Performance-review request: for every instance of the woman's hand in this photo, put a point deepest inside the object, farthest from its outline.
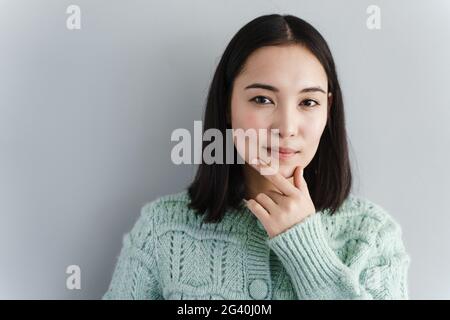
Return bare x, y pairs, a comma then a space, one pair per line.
276, 211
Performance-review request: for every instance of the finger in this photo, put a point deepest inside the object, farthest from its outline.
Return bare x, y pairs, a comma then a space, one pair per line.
279, 181
267, 203
257, 209
298, 177
276, 196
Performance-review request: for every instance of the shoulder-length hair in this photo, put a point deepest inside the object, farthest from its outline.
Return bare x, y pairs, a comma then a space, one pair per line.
217, 187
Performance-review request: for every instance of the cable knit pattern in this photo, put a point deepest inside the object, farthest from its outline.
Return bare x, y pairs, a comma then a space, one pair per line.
357, 253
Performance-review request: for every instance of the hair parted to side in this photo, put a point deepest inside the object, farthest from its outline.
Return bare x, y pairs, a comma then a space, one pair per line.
216, 187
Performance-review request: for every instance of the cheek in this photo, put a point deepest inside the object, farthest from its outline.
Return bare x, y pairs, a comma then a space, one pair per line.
245, 118
316, 132
312, 134
313, 129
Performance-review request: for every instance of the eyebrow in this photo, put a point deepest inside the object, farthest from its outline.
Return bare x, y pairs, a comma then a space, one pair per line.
272, 88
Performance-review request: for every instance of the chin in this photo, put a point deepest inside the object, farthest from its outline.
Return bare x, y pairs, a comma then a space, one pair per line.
286, 171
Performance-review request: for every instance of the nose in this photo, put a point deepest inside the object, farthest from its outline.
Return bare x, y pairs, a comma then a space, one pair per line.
286, 121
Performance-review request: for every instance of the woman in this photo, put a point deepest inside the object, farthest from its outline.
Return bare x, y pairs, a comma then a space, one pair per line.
296, 233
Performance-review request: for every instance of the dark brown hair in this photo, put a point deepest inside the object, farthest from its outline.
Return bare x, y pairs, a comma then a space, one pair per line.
216, 187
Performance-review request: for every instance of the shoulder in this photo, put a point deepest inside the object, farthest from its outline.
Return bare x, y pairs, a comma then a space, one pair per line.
170, 215
164, 213
162, 206
362, 218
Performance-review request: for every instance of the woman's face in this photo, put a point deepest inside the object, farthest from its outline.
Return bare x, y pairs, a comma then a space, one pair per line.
294, 101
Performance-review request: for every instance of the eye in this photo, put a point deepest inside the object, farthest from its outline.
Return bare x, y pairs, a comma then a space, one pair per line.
309, 101
260, 99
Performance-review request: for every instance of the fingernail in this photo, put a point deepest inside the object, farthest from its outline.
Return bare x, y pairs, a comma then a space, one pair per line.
262, 161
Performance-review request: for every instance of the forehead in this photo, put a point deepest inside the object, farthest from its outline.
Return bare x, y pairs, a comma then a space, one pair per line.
284, 66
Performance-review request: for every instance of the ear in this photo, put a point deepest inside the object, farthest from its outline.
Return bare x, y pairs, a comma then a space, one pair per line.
330, 100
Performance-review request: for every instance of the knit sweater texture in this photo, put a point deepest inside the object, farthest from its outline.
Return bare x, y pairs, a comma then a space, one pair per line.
170, 253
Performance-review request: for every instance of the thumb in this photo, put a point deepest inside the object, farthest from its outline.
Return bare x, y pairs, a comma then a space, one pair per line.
298, 177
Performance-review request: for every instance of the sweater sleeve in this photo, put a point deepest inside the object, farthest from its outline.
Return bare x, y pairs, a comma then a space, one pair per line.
135, 276
317, 272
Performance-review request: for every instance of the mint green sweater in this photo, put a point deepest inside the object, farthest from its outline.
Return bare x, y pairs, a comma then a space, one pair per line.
357, 253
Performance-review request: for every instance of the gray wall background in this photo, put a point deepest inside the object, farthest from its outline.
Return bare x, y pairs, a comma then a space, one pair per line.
86, 118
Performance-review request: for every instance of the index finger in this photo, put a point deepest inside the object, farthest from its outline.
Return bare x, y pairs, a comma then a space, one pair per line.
279, 181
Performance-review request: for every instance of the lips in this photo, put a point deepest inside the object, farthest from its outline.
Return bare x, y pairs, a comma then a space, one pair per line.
282, 153
282, 150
